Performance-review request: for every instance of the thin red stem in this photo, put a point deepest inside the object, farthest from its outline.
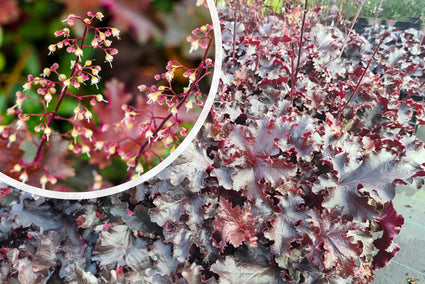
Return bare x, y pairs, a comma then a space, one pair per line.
198, 76
351, 29
39, 153
363, 74
297, 67
234, 29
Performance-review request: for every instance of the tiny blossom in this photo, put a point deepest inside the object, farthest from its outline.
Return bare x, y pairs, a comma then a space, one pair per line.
139, 169
162, 133
11, 111
76, 111
99, 16
94, 80
95, 70
194, 46
107, 43
88, 63
78, 52
88, 134
85, 150
12, 138
109, 58
98, 145
75, 84
149, 135
127, 116
115, 32
17, 168
24, 177
97, 181
70, 19
192, 77
100, 98
62, 77
20, 124
41, 91
102, 36
174, 110
188, 105
75, 148
111, 150
52, 48
43, 181
131, 163
52, 180
74, 134
94, 42
169, 76
168, 141
47, 132
88, 115
46, 72
142, 88
27, 86
183, 131
153, 97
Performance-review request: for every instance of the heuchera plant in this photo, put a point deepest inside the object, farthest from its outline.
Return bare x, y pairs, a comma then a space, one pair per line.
103, 125
288, 182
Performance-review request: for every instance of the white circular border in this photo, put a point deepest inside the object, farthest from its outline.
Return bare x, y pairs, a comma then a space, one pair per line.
151, 173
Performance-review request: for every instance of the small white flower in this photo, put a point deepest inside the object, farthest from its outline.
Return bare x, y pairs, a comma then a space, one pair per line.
109, 58
43, 181
115, 32
99, 16
139, 169
85, 150
52, 48
23, 177
98, 145
47, 132
48, 99
88, 134
78, 52
12, 138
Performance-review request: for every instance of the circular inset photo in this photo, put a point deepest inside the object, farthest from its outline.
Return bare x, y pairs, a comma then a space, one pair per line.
98, 97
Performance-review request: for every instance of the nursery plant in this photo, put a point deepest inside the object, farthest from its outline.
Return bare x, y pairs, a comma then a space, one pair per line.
291, 180
43, 145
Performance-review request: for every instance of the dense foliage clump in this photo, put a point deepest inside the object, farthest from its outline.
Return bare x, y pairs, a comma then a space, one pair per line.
290, 181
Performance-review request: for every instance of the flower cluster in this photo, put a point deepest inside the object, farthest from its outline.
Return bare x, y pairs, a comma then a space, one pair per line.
52, 87
153, 127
